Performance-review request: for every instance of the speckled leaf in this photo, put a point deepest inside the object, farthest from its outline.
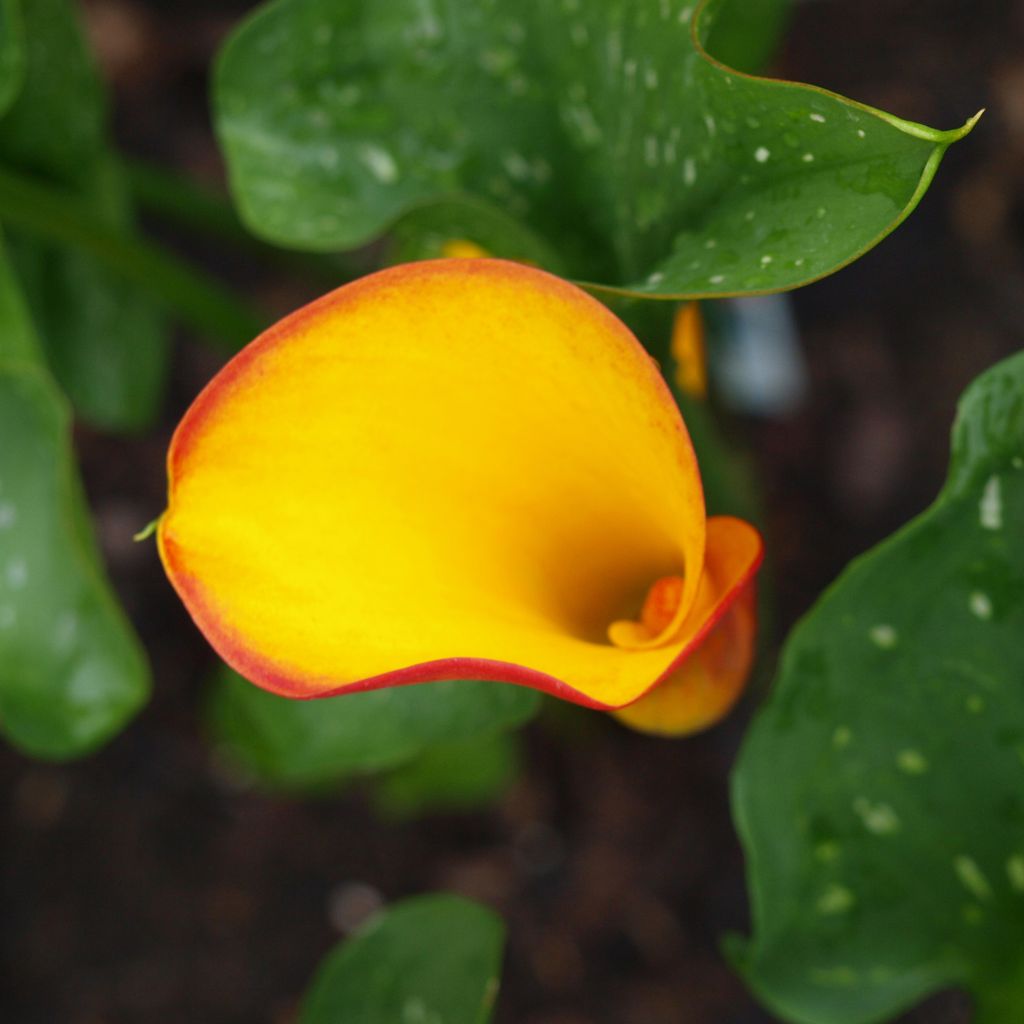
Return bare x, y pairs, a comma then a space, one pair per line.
880, 794
71, 670
433, 959
104, 341
317, 743
450, 777
604, 127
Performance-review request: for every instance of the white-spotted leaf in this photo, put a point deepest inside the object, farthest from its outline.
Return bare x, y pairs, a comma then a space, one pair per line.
606, 129
880, 793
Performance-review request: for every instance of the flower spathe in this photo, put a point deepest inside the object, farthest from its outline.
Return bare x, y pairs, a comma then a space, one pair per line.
453, 469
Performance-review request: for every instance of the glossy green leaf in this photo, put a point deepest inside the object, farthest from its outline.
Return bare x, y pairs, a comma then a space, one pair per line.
12, 52
450, 777
432, 959
880, 793
317, 743
71, 671
104, 340
605, 128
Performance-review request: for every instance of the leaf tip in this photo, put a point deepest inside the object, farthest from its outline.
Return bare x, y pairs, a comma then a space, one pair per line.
968, 125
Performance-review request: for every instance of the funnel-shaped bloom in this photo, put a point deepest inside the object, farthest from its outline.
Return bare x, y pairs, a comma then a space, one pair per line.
454, 469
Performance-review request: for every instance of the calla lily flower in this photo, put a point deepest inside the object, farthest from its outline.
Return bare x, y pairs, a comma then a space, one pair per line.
458, 469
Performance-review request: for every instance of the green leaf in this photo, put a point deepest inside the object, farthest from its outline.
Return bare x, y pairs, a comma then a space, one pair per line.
745, 35
12, 52
71, 670
18, 341
56, 125
104, 340
318, 743
605, 128
450, 776
429, 960
880, 793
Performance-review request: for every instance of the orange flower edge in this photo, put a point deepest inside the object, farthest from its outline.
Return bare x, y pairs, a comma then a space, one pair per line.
451, 469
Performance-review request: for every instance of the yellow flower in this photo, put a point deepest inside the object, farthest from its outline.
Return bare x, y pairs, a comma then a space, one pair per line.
458, 469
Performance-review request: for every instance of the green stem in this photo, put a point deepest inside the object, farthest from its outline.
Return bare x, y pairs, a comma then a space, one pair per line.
180, 201
198, 301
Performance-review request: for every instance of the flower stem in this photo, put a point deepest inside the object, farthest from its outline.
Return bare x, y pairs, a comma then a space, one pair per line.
53, 213
176, 199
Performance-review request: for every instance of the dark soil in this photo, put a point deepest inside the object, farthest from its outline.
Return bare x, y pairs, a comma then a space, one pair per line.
144, 884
